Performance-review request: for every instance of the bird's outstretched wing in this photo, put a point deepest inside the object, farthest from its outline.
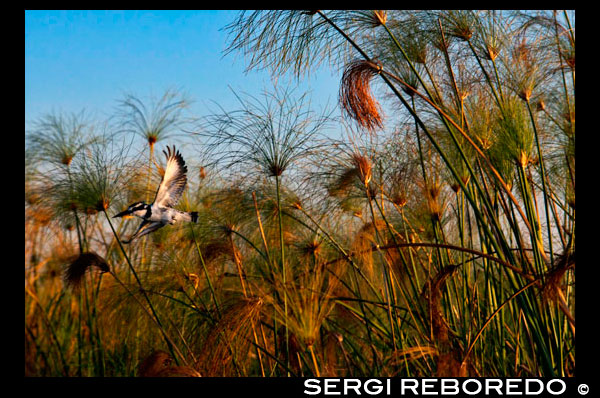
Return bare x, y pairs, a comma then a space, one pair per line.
145, 228
173, 182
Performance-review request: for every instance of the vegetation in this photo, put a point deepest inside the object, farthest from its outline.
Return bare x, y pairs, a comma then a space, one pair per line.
434, 236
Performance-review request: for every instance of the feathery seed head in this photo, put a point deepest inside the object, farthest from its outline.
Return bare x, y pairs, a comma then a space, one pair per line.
98, 178
456, 186
491, 52
310, 248
540, 105
80, 264
369, 18
103, 203
530, 67
42, 215
522, 159
269, 134
514, 134
435, 202
363, 167
66, 160
379, 17
155, 119
459, 23
552, 280
58, 138
32, 197
355, 94
399, 199
569, 57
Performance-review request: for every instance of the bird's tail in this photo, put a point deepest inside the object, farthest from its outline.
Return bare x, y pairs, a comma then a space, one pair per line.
194, 215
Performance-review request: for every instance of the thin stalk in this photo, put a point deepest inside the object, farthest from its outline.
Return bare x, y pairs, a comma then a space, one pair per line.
386, 275
154, 314
79, 337
242, 275
210, 286
260, 226
52, 332
478, 253
39, 351
487, 76
543, 176
498, 80
283, 268
435, 86
151, 152
407, 239
531, 214
274, 358
487, 322
420, 148
356, 271
449, 66
98, 336
314, 359
345, 255
77, 222
562, 69
414, 289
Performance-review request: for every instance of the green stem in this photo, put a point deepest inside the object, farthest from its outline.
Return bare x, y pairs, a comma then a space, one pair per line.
531, 215
143, 291
543, 177
387, 268
283, 268
210, 286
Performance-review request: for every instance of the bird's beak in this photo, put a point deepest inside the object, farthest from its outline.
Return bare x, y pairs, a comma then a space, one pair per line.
123, 214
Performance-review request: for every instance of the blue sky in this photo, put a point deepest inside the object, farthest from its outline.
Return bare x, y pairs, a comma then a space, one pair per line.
87, 60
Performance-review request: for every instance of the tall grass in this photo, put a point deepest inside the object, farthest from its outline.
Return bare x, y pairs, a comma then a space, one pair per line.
434, 236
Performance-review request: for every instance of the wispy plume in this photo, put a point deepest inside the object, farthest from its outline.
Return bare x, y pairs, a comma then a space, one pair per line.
80, 264
356, 97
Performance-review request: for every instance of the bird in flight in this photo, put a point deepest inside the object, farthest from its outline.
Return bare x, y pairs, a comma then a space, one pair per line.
161, 211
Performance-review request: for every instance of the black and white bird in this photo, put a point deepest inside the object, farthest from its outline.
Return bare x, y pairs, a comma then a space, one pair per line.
161, 211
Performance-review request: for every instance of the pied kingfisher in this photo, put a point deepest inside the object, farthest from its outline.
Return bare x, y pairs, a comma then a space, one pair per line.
161, 211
